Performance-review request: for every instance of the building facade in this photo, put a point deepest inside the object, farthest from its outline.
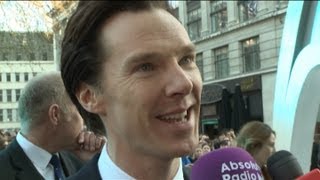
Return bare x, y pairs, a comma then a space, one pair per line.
237, 42
22, 56
25, 54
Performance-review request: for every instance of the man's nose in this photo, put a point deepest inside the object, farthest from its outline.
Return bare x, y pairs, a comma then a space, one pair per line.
179, 82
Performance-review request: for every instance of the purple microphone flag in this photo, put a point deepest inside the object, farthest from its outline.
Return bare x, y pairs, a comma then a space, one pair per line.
226, 164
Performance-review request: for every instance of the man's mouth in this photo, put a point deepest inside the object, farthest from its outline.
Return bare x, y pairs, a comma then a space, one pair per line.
181, 117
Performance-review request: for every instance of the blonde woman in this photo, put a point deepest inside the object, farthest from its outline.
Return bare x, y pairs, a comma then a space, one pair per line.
258, 139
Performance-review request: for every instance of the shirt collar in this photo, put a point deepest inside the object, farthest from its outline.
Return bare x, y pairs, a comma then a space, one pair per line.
179, 175
109, 170
38, 156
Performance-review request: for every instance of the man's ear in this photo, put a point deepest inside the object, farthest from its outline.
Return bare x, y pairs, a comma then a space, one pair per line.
54, 114
90, 99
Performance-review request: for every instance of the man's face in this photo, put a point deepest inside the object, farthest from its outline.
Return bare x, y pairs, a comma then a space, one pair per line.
151, 85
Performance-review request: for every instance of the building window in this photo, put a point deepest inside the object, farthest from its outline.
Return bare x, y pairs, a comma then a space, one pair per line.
0, 77
247, 10
18, 57
18, 91
8, 77
1, 100
5, 56
194, 19
251, 54
32, 56
1, 115
17, 77
208, 69
9, 95
26, 78
44, 56
221, 58
199, 62
16, 117
9, 114
34, 74
218, 15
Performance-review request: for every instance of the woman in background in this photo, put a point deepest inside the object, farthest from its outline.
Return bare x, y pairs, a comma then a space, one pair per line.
258, 139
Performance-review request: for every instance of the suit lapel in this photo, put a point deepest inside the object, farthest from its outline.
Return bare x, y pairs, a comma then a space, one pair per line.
89, 171
70, 163
21, 163
92, 171
66, 165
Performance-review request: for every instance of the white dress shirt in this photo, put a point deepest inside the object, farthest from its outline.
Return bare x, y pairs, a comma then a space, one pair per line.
38, 156
109, 170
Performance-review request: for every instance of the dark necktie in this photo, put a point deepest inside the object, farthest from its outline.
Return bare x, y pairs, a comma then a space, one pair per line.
55, 162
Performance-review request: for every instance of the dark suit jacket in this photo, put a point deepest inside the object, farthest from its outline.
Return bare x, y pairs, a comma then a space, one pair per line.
91, 171
15, 165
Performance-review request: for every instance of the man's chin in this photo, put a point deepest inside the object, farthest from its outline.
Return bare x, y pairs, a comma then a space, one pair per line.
184, 151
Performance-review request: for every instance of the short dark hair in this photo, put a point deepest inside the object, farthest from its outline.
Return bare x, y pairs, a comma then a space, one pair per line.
82, 58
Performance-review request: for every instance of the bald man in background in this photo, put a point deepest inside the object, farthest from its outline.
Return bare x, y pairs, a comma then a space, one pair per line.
51, 126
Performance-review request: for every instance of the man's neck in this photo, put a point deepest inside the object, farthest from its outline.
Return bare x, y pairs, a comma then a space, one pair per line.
143, 166
40, 140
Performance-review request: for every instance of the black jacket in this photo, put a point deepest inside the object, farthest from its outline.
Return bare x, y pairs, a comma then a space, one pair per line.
15, 164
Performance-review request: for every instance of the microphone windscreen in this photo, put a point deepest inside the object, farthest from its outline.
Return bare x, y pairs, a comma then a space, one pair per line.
312, 175
226, 164
283, 165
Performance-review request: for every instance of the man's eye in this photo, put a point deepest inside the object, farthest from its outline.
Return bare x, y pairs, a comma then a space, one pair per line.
146, 67
186, 60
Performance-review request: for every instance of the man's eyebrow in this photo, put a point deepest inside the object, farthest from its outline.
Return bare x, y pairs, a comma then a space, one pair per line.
188, 48
141, 57
153, 55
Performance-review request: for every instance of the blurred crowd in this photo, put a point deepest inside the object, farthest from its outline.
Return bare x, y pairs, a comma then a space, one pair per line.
225, 138
256, 137
6, 136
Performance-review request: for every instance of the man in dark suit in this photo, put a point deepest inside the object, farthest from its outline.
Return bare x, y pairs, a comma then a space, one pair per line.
15, 164
50, 124
132, 65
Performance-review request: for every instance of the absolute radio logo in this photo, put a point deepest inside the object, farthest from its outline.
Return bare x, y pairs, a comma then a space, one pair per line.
240, 171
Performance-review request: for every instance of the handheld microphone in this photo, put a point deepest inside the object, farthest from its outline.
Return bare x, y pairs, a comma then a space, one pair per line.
226, 164
312, 175
283, 165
